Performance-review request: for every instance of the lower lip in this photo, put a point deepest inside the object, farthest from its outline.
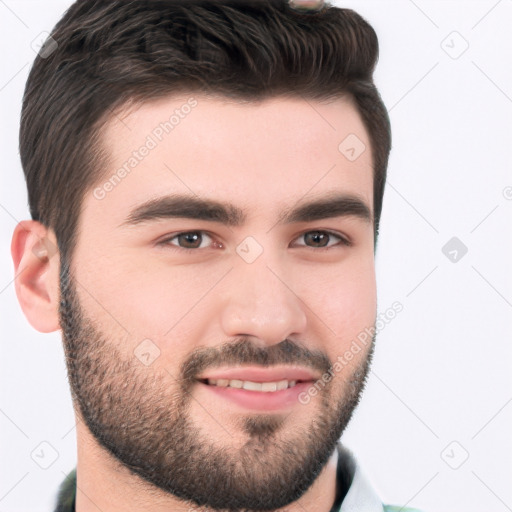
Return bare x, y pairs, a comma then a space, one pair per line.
261, 400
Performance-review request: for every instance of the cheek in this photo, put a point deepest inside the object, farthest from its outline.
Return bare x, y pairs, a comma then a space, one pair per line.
344, 299
157, 300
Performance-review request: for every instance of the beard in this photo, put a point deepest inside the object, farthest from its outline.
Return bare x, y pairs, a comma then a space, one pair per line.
141, 416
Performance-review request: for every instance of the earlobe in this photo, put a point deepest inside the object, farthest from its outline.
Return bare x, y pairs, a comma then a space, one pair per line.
36, 265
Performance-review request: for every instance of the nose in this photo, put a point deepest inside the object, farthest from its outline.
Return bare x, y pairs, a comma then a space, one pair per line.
261, 303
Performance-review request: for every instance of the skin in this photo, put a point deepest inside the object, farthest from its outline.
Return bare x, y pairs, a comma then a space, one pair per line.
126, 286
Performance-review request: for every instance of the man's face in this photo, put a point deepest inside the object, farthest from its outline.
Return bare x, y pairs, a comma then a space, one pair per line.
163, 294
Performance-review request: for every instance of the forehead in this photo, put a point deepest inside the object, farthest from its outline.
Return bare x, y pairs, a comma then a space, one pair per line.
263, 155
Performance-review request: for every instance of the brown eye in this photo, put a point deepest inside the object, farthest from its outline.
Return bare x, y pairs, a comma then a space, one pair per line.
317, 238
190, 240
322, 239
187, 240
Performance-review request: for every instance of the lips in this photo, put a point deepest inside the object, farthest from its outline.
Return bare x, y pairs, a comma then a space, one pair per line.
252, 399
258, 388
260, 374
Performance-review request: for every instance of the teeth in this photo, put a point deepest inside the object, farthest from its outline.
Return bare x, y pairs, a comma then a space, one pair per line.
235, 383
253, 386
269, 386
282, 384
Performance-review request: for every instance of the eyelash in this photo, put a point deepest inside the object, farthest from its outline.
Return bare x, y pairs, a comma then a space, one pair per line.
166, 242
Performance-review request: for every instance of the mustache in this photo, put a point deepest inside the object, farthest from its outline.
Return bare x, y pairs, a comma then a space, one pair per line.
244, 352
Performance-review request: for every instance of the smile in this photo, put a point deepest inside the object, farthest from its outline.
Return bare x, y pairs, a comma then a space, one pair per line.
251, 385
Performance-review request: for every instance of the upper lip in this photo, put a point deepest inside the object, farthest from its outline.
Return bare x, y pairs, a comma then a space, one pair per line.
261, 374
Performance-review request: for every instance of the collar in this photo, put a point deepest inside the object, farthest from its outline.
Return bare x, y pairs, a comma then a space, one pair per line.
360, 495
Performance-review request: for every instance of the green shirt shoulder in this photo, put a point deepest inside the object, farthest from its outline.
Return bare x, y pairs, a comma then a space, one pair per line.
66, 496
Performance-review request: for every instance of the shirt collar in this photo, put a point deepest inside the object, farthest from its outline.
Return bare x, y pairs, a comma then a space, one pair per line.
360, 495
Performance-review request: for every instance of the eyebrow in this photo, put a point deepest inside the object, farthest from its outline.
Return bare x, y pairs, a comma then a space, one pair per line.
193, 207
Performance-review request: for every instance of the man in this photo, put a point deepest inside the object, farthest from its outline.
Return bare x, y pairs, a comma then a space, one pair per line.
205, 182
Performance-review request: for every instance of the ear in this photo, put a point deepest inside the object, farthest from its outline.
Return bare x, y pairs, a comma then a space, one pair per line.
36, 265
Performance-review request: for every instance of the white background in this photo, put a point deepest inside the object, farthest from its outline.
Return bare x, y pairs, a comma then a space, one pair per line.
442, 366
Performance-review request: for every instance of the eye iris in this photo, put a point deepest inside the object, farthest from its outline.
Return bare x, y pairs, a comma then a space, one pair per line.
318, 238
192, 240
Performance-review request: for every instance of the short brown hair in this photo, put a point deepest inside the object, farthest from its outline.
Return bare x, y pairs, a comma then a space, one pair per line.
110, 52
